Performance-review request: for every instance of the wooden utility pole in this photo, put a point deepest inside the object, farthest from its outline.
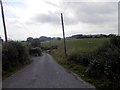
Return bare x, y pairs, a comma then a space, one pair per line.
3, 18
63, 34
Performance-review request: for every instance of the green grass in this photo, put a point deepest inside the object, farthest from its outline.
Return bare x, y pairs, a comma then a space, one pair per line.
77, 45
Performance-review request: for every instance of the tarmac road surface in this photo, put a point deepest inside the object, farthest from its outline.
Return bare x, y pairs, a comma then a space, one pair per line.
44, 72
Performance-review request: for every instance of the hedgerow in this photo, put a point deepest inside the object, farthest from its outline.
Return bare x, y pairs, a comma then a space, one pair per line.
14, 54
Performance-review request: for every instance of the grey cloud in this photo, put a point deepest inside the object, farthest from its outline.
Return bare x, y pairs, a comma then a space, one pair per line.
52, 4
85, 12
97, 8
93, 13
53, 18
47, 18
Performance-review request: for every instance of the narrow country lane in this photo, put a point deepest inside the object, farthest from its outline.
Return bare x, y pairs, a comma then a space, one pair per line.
44, 72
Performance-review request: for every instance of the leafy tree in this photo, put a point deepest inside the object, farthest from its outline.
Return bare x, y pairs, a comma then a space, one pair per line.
35, 42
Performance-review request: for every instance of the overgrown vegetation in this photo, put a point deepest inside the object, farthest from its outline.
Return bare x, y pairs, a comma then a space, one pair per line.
95, 60
14, 56
106, 63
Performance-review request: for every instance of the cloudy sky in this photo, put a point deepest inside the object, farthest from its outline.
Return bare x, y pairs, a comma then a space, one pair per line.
37, 18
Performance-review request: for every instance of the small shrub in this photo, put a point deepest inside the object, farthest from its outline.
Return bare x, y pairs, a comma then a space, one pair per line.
35, 51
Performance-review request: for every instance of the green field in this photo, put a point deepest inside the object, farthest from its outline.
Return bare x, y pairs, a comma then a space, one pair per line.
77, 45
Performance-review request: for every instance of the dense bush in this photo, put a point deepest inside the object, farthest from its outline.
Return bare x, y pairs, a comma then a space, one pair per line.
35, 51
106, 62
14, 54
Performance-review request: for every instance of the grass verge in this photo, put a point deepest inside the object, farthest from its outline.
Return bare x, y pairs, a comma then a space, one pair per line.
80, 71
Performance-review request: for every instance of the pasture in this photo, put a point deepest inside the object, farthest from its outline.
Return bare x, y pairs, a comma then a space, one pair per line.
77, 45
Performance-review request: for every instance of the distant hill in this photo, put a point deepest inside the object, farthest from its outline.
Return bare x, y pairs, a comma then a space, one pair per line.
77, 36
44, 38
